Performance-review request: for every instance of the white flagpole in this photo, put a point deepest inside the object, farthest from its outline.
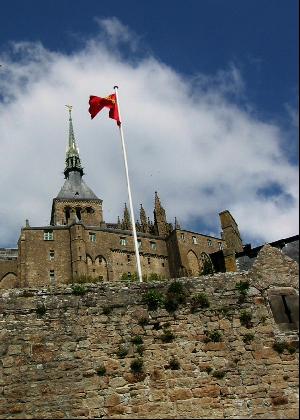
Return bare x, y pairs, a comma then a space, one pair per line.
138, 262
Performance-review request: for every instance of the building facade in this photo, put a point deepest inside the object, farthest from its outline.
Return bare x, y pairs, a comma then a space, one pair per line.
78, 242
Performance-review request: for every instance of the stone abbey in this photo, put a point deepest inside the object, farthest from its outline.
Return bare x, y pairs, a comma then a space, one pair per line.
78, 241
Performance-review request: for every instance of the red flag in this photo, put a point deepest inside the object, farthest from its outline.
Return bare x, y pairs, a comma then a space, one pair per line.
97, 104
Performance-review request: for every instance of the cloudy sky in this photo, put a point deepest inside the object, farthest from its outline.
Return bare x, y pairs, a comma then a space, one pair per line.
209, 99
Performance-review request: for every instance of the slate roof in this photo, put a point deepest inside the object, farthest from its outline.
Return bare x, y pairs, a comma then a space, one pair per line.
75, 187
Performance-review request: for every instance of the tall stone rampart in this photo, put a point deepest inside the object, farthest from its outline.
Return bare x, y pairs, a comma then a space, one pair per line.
219, 354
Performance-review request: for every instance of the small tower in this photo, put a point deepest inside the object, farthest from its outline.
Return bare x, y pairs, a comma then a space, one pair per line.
75, 201
160, 220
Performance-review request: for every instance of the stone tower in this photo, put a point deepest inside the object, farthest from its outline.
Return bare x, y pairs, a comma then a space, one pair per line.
75, 201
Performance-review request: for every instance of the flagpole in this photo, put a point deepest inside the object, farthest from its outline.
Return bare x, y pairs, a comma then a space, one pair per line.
138, 262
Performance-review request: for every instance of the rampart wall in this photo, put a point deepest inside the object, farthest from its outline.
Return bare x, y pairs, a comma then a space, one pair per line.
220, 354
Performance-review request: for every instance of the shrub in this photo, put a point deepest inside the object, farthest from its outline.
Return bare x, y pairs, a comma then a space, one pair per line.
208, 369
243, 288
140, 349
156, 326
174, 364
177, 288
101, 371
130, 276
78, 289
247, 338
214, 336
136, 366
40, 309
154, 277
245, 318
153, 299
280, 346
219, 374
137, 340
107, 310
143, 321
207, 268
82, 279
122, 352
167, 336
176, 295
199, 301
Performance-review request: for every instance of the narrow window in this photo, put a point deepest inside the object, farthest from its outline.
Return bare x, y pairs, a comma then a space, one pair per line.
92, 237
48, 235
128, 258
139, 244
78, 213
220, 245
194, 239
52, 276
123, 241
153, 245
149, 261
68, 213
51, 255
209, 242
163, 264
182, 236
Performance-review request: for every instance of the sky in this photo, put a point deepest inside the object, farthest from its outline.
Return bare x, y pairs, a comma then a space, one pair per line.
209, 100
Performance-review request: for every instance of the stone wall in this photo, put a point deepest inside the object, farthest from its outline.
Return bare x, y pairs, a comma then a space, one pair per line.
69, 356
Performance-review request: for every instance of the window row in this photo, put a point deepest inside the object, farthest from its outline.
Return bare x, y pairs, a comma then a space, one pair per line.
195, 241
123, 241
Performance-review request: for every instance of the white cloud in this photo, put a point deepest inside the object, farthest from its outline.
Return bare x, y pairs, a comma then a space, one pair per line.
189, 141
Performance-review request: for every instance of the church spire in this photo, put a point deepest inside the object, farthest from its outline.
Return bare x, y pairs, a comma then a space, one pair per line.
72, 155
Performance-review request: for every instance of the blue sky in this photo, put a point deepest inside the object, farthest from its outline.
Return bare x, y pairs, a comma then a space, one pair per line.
240, 55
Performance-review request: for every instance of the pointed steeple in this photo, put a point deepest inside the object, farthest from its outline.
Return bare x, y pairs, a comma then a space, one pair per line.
73, 162
160, 220
119, 223
143, 219
157, 203
176, 224
126, 219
